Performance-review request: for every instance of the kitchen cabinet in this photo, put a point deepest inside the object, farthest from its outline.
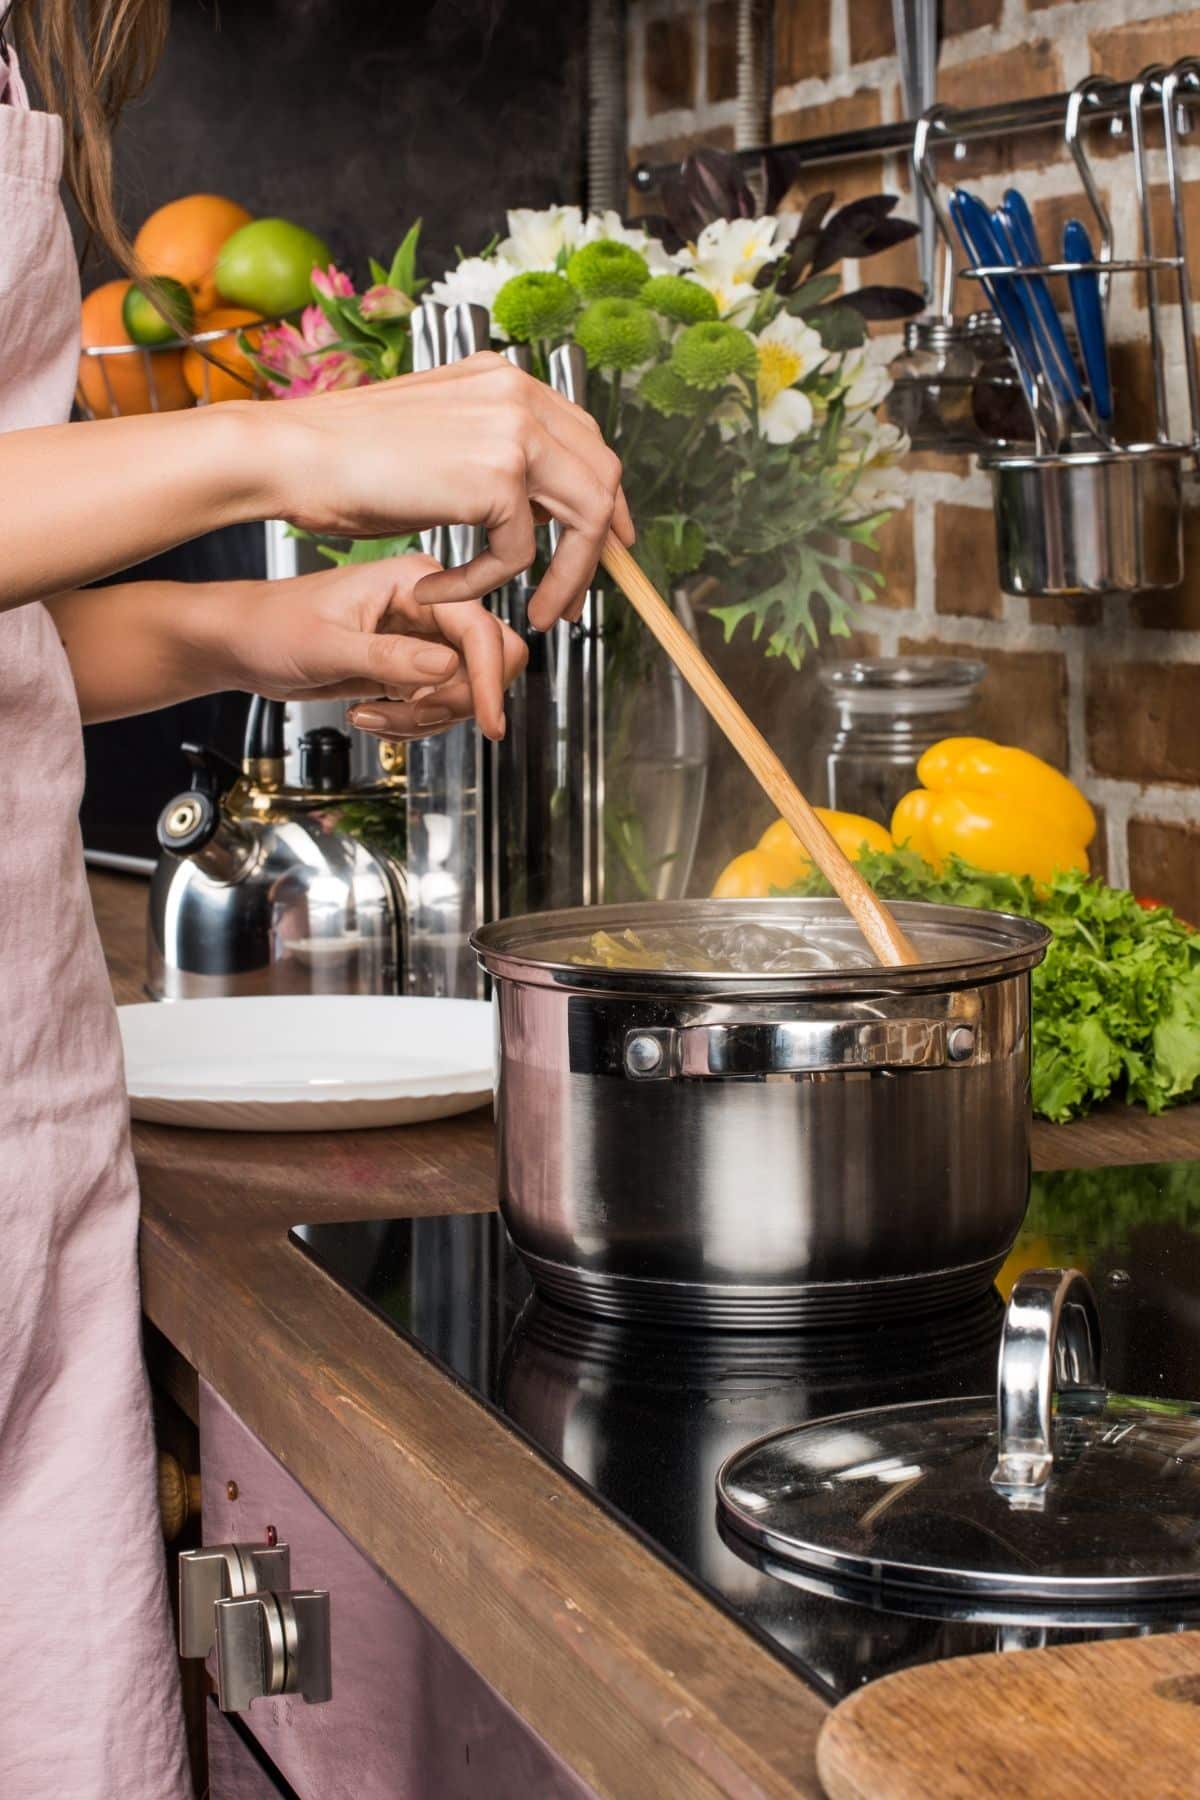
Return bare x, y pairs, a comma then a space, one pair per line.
409, 1719
237, 1770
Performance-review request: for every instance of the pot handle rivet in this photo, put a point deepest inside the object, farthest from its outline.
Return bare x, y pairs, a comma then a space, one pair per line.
643, 1055
960, 1043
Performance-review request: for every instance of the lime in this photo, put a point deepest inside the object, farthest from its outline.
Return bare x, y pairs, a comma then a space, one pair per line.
267, 266
142, 312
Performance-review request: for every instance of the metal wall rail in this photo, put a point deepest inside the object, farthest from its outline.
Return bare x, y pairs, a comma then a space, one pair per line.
1007, 118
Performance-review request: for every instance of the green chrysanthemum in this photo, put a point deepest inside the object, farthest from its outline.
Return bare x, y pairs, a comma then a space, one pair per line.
538, 304
677, 544
617, 334
608, 270
678, 298
661, 388
710, 354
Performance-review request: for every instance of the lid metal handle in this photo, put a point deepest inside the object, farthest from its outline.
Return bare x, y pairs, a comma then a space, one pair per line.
1051, 1342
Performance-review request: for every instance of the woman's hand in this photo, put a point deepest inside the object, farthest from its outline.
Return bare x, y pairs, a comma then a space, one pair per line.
474, 443
350, 633
358, 633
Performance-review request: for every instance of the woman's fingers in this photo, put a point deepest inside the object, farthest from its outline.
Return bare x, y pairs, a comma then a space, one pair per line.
494, 656
402, 719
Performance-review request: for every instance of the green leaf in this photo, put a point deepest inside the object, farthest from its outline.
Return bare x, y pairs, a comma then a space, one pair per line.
812, 293
367, 550
403, 272
379, 274
839, 327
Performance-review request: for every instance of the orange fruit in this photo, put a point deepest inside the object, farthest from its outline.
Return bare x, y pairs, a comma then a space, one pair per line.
183, 239
235, 379
142, 381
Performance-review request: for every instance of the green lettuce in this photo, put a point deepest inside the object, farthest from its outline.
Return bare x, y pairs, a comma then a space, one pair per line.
1116, 1003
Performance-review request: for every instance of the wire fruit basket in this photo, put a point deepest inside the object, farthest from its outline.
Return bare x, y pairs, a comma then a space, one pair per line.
197, 370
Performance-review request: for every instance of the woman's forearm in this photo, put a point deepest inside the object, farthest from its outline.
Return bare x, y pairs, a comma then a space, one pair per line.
144, 644
85, 500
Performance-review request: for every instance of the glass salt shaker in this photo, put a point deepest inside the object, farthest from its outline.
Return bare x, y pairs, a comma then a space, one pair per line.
999, 408
932, 382
887, 713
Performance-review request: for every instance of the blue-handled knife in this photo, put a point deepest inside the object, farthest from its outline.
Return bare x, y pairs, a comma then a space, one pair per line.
975, 228
1086, 304
1023, 242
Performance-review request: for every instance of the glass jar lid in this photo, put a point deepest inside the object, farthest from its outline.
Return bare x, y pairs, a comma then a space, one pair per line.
902, 685
1093, 1499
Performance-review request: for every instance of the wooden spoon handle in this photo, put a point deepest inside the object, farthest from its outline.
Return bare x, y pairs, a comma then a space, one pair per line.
872, 917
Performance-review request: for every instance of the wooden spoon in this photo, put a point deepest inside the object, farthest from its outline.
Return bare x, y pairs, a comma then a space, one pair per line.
872, 917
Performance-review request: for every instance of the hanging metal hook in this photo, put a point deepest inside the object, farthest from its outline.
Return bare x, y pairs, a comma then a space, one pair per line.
1146, 83
1090, 90
1185, 72
931, 121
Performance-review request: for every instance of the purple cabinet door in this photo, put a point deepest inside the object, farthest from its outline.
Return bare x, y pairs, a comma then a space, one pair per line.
234, 1772
409, 1718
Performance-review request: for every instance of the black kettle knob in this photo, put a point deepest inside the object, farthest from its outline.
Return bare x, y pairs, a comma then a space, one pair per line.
325, 760
189, 821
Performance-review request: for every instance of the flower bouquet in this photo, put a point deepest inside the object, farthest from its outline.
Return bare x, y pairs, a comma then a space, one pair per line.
734, 378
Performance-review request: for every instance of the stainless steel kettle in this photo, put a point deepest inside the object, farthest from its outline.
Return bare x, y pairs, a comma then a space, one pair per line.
269, 888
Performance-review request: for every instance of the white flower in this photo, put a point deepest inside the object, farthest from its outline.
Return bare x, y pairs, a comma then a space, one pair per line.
535, 239
875, 491
883, 446
728, 255
788, 352
863, 384
608, 225
477, 279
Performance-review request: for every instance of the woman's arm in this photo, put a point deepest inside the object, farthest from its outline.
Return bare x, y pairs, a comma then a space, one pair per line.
476, 443
353, 633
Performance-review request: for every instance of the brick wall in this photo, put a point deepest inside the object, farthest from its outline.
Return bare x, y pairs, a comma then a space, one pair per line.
1109, 691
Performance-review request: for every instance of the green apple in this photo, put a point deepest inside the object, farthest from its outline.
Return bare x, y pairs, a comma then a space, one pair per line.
143, 309
266, 266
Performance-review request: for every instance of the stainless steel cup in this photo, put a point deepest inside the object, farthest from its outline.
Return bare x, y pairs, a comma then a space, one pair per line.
764, 1150
1089, 522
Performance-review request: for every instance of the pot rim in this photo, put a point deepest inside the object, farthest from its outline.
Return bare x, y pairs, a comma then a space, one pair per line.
1010, 945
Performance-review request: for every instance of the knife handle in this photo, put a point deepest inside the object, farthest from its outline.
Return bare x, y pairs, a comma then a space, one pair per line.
1084, 288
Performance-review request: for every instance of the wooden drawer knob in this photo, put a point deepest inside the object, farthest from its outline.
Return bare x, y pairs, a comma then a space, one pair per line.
178, 1495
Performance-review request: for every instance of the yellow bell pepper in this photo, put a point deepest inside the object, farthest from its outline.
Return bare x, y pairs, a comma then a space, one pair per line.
779, 860
997, 807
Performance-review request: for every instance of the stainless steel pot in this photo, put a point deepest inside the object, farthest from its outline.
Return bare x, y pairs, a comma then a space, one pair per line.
764, 1150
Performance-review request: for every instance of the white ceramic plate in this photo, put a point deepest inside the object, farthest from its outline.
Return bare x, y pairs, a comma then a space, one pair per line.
320, 1062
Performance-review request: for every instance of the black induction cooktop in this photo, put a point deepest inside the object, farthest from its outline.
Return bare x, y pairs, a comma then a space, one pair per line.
644, 1418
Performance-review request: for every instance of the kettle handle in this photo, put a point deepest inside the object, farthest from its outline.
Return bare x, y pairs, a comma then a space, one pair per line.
212, 771
264, 730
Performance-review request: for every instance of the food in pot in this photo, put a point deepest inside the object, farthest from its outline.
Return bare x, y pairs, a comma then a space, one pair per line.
720, 949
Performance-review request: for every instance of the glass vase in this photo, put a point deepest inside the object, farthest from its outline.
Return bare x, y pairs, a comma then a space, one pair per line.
655, 759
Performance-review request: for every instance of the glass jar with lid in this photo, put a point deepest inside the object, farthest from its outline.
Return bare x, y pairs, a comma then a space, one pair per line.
932, 380
887, 711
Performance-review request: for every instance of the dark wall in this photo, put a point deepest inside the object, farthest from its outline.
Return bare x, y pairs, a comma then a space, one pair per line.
356, 116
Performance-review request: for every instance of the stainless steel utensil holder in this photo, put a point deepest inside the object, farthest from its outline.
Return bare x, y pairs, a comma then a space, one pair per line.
1088, 514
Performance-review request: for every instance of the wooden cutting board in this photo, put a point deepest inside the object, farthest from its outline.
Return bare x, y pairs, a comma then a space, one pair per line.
1120, 1717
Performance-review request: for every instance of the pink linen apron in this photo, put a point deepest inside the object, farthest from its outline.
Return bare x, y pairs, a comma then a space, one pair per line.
89, 1702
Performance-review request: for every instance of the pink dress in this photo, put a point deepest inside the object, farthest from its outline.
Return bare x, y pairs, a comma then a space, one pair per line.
89, 1702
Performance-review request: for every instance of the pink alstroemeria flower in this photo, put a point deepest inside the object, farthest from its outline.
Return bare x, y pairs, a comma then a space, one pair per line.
302, 361
384, 302
333, 283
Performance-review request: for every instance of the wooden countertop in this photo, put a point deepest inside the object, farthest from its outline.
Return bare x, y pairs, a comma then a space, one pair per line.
619, 1663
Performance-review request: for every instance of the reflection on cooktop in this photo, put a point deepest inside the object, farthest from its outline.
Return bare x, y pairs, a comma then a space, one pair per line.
643, 1418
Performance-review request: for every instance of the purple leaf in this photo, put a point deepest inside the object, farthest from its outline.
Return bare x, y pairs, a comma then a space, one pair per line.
884, 302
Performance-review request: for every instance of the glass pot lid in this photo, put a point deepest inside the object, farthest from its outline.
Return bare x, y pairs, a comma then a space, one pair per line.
1057, 1490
